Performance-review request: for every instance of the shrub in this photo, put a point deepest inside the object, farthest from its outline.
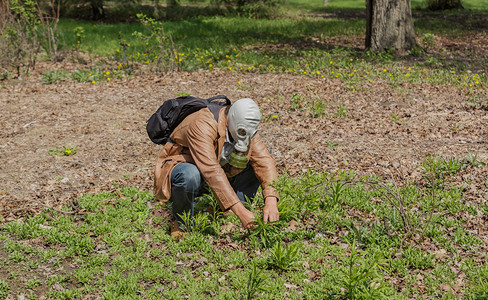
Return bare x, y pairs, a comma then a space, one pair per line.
253, 8
24, 31
443, 4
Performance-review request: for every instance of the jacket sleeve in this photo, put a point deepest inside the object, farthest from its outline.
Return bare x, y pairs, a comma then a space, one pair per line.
264, 166
202, 135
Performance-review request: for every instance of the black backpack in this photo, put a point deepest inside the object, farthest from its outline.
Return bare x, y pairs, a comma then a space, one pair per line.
162, 123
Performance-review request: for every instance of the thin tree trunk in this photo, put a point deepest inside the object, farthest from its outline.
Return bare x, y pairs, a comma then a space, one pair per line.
389, 25
98, 12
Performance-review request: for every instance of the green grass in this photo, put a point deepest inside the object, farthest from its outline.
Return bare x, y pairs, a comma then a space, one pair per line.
116, 247
296, 45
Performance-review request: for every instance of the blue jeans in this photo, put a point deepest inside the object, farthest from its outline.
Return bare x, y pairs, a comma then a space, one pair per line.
187, 183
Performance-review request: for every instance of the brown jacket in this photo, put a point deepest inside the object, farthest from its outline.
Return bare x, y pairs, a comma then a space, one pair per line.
199, 139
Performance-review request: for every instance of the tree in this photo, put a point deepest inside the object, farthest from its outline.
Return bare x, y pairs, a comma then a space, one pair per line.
389, 25
98, 12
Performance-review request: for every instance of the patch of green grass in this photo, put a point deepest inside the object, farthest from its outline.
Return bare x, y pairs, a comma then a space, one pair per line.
290, 44
348, 241
55, 76
4, 289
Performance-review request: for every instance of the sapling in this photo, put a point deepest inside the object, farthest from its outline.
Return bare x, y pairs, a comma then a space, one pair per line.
283, 257
255, 283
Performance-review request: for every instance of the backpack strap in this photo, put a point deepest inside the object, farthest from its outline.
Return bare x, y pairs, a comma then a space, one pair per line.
227, 101
215, 109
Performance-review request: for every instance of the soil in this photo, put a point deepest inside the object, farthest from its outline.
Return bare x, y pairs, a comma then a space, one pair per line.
385, 131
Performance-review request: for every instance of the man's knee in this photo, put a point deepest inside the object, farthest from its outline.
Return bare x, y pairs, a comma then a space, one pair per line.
187, 176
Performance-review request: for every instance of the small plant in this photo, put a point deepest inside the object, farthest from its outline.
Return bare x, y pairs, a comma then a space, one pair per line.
255, 283
80, 75
428, 41
17, 257
436, 169
67, 151
283, 257
472, 160
266, 232
271, 118
341, 111
331, 144
164, 50
79, 33
33, 283
416, 258
296, 102
33, 264
182, 94
198, 223
361, 278
317, 109
55, 76
4, 289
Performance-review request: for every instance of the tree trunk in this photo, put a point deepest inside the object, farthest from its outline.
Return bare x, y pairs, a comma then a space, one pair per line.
389, 25
97, 9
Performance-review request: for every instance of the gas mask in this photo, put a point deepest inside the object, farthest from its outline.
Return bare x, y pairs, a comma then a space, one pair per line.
243, 120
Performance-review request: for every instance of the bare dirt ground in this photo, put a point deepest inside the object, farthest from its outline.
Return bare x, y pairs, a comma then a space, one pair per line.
386, 132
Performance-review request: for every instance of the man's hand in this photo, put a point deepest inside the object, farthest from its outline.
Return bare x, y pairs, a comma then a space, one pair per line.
270, 211
246, 217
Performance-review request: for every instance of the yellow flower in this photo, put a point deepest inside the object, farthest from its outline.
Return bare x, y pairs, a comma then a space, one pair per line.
67, 151
108, 73
108, 79
94, 82
318, 72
